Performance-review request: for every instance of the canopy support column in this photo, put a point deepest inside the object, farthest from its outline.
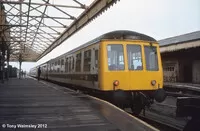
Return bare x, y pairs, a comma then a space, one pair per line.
20, 66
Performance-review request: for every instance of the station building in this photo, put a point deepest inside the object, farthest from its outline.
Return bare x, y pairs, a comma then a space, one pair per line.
181, 58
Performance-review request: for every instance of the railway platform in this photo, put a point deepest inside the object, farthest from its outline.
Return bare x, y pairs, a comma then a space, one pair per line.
38, 105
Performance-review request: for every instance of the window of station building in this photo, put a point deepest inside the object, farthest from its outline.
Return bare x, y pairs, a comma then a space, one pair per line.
169, 68
96, 58
151, 57
78, 62
115, 57
87, 60
134, 57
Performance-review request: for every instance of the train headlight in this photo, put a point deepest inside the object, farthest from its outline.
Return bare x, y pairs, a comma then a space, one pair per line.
153, 82
116, 83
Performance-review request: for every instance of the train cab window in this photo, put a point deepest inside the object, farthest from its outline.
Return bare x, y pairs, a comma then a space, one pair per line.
96, 58
78, 62
115, 57
87, 60
151, 57
134, 57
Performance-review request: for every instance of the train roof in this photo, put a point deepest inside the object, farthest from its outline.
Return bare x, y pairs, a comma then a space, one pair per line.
125, 34
114, 35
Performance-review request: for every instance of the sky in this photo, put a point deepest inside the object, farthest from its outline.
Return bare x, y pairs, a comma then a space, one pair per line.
157, 18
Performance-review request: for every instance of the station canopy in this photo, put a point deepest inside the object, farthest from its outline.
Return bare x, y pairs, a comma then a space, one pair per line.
36, 27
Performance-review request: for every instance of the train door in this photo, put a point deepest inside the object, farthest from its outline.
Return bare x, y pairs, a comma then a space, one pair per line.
95, 65
135, 66
95, 59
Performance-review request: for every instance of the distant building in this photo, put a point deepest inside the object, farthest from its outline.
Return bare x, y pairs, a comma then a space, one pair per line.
181, 58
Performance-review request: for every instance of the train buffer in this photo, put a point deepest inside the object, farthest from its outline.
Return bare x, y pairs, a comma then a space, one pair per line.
27, 103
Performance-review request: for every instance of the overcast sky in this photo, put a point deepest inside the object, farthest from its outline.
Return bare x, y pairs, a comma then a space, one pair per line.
157, 18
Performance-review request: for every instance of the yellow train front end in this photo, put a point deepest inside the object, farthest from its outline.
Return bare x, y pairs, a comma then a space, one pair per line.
131, 66
136, 65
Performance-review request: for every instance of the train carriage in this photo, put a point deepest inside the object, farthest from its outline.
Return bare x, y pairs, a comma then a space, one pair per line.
125, 63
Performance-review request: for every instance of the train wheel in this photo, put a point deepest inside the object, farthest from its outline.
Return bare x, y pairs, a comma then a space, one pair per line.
119, 97
137, 105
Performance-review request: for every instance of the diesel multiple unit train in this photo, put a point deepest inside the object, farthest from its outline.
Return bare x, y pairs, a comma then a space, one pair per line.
125, 64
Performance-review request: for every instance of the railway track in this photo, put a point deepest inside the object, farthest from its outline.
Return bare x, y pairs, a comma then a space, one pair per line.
185, 91
180, 94
162, 126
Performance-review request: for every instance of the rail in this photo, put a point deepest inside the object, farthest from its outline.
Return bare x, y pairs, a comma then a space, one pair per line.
182, 89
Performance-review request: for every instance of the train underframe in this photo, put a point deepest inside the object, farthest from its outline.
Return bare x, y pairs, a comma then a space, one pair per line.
137, 100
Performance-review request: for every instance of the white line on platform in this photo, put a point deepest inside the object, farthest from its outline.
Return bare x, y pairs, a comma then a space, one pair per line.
124, 112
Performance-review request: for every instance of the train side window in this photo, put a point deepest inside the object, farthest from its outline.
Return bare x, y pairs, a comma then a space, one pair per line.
45, 68
49, 67
58, 66
52, 67
134, 57
96, 58
72, 62
115, 57
62, 62
87, 60
78, 62
58, 62
66, 65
